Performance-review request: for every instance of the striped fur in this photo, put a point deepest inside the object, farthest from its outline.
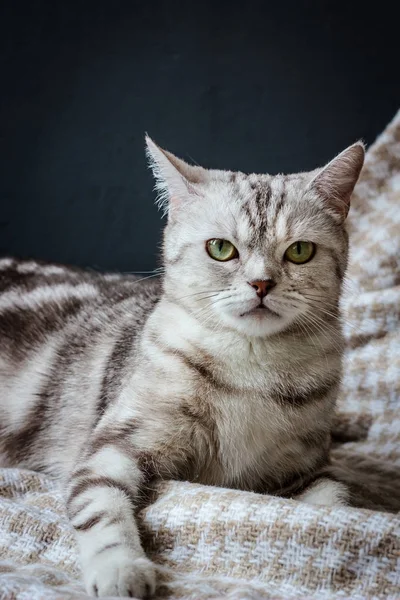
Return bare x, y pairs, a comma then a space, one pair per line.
107, 381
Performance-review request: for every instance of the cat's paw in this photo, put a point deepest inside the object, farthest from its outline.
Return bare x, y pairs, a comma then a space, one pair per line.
120, 574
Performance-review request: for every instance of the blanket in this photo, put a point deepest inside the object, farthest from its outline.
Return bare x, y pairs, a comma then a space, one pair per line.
211, 543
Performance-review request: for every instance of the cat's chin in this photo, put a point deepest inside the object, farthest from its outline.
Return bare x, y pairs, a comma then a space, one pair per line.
257, 322
260, 312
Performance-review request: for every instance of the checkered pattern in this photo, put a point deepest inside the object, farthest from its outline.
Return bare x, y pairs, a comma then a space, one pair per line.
211, 543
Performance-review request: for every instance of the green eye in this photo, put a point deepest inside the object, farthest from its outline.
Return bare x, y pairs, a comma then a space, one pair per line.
221, 250
300, 252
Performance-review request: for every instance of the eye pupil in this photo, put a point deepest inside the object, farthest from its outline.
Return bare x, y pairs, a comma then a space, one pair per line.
298, 248
220, 245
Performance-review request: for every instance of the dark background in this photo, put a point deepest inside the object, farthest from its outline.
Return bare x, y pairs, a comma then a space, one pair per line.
255, 86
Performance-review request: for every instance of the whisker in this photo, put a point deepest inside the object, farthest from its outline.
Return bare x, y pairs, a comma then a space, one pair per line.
209, 306
157, 270
219, 299
144, 278
202, 292
322, 327
205, 297
321, 307
311, 336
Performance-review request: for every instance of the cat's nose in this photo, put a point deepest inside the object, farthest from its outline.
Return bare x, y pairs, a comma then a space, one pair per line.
262, 287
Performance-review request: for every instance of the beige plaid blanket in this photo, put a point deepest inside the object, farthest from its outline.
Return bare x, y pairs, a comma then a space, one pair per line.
214, 543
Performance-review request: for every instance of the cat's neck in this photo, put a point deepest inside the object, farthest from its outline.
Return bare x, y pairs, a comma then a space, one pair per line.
177, 328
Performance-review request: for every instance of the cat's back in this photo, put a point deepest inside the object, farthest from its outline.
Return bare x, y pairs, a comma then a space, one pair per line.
40, 300
67, 337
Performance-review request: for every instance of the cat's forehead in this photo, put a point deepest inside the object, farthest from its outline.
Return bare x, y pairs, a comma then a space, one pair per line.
263, 188
260, 191
260, 208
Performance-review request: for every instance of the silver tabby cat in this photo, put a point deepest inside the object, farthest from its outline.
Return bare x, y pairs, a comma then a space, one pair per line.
224, 371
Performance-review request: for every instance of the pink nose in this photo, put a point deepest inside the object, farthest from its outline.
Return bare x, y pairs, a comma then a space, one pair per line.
262, 287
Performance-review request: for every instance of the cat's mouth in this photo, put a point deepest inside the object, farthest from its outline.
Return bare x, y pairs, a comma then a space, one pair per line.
260, 309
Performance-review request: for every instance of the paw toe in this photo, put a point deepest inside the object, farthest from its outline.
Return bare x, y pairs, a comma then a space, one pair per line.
125, 577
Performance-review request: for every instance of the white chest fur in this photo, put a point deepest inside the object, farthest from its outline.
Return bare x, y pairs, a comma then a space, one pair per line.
243, 385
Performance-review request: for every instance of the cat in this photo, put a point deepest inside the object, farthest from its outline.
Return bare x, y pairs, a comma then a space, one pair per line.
224, 371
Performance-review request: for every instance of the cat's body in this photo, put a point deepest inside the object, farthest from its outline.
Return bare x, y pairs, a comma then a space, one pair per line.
107, 382
83, 354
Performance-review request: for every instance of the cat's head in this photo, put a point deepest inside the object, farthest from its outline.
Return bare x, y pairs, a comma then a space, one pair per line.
255, 253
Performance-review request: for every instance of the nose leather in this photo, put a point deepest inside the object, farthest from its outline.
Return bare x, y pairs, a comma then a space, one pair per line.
262, 286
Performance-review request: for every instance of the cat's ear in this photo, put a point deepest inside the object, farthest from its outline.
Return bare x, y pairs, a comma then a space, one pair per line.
176, 181
335, 182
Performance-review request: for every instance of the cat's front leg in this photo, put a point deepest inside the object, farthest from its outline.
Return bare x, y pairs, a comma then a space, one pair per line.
101, 500
325, 492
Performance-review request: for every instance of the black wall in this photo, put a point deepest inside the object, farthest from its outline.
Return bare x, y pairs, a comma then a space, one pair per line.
255, 86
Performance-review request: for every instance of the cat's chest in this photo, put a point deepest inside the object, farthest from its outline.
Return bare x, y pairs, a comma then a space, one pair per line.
242, 412
267, 418
252, 442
